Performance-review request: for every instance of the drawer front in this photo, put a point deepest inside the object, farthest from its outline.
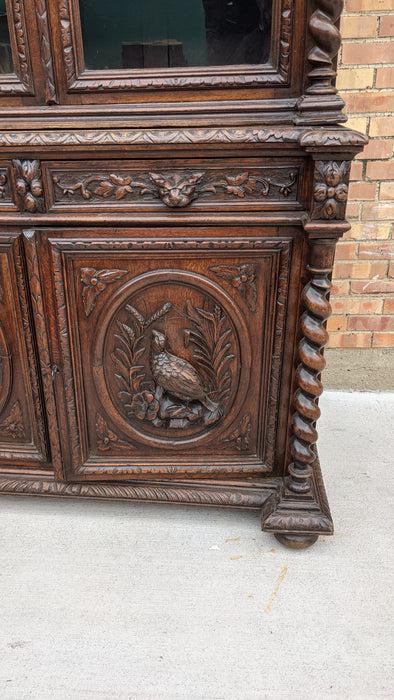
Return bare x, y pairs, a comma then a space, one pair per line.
222, 184
170, 351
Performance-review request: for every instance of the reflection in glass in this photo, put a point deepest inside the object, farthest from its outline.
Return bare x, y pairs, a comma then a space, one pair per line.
174, 33
6, 65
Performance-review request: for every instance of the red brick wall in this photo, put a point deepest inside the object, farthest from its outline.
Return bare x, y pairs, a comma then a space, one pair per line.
363, 293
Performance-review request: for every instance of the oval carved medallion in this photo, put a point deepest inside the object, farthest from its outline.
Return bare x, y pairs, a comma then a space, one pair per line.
171, 358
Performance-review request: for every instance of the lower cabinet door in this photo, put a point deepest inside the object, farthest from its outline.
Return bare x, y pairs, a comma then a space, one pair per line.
170, 345
23, 441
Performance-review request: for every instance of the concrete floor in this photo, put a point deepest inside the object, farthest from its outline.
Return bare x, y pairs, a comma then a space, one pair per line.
105, 600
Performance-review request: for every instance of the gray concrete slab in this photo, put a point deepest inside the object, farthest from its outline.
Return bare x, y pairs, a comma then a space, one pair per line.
120, 601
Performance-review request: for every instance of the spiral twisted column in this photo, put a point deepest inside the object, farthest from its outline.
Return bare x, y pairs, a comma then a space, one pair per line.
316, 310
327, 40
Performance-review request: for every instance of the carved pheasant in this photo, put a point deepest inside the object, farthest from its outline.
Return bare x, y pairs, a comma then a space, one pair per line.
175, 375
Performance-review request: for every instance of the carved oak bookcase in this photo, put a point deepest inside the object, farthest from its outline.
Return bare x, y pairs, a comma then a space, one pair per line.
170, 205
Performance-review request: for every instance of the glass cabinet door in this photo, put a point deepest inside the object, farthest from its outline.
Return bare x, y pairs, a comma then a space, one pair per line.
177, 45
174, 33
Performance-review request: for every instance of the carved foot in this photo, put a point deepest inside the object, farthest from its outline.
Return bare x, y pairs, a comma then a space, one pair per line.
297, 541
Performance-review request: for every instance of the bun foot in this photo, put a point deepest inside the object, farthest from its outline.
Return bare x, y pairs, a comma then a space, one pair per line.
296, 541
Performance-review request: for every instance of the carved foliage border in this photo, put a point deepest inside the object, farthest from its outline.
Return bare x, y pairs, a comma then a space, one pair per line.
68, 9
307, 138
284, 249
24, 84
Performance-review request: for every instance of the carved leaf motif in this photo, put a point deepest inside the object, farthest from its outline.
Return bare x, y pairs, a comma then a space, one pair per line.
105, 437
213, 346
94, 282
12, 425
241, 435
243, 278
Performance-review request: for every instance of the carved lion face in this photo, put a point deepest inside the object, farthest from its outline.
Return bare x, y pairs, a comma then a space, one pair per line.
177, 190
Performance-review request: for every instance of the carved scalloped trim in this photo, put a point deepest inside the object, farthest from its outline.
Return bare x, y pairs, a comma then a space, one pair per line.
305, 137
326, 137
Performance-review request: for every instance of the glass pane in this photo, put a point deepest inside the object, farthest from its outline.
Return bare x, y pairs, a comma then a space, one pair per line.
6, 65
173, 33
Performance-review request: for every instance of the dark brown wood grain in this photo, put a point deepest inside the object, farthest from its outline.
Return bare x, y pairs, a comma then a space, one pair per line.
167, 239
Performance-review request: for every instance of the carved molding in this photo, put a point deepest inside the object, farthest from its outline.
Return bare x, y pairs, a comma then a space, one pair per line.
67, 40
12, 425
227, 496
24, 297
47, 367
291, 515
303, 522
242, 278
330, 189
306, 137
22, 62
45, 50
177, 189
67, 374
333, 137
327, 41
94, 282
181, 79
314, 337
29, 187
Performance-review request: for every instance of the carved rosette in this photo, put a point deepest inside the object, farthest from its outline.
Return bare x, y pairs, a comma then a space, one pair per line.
314, 338
330, 189
29, 187
327, 40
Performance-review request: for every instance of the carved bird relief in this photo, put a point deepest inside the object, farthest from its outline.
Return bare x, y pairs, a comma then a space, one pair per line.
175, 375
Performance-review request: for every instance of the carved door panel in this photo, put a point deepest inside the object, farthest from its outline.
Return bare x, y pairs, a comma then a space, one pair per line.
169, 349
23, 443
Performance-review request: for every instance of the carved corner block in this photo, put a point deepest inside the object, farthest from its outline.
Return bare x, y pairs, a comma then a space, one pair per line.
330, 189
